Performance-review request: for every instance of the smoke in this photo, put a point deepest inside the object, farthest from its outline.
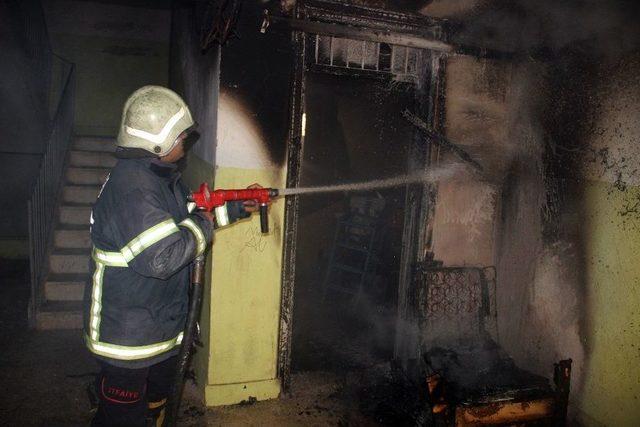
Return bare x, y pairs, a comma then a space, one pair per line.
549, 27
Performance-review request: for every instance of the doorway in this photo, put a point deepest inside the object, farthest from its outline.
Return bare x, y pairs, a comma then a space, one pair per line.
349, 243
347, 102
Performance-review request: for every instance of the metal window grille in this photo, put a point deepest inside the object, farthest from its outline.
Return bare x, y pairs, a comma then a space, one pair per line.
400, 61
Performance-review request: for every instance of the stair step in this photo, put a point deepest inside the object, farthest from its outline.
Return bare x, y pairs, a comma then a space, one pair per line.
75, 215
59, 315
90, 159
63, 238
80, 194
86, 176
64, 290
94, 143
69, 262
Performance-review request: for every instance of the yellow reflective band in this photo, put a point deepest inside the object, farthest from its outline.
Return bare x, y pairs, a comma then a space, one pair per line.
160, 420
155, 405
96, 302
222, 216
197, 232
148, 238
123, 352
111, 259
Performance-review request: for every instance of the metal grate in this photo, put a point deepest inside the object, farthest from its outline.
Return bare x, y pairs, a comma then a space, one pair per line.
452, 292
400, 61
456, 301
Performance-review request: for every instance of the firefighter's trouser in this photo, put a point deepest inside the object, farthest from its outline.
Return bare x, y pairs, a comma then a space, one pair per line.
133, 397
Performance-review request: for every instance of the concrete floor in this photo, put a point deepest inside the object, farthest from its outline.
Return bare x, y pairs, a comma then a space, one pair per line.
316, 401
45, 376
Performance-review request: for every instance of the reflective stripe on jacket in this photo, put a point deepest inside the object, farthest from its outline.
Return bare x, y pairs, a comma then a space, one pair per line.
144, 239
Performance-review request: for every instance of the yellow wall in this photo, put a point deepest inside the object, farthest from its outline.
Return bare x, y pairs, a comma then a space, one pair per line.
243, 126
105, 80
241, 307
610, 394
116, 49
245, 299
612, 386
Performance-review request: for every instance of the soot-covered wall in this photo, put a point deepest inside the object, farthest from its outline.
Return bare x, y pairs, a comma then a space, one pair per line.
556, 129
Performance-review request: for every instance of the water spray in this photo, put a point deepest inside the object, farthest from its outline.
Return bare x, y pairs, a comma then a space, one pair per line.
434, 175
208, 200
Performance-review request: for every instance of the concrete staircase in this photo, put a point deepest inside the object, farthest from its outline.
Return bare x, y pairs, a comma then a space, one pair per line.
89, 162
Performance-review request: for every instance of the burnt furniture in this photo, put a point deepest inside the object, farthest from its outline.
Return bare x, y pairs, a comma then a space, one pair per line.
471, 380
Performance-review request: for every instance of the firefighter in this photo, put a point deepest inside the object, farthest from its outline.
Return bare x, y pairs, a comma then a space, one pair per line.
144, 239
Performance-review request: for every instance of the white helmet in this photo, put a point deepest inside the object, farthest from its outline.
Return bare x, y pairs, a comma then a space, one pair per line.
152, 119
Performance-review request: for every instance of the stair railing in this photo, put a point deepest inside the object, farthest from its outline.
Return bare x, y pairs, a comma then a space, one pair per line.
44, 196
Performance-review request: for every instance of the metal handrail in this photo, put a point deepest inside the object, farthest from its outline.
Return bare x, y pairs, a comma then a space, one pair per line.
43, 201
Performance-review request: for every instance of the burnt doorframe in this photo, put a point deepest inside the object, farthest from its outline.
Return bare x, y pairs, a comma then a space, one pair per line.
326, 17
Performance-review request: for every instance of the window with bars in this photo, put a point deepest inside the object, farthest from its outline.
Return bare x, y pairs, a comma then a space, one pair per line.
400, 61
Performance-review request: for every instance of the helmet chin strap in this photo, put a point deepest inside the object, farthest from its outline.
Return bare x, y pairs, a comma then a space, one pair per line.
173, 146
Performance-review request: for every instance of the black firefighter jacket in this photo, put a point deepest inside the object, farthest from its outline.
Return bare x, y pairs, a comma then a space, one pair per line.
144, 240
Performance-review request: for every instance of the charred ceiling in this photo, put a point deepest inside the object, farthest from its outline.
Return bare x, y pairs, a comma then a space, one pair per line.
547, 27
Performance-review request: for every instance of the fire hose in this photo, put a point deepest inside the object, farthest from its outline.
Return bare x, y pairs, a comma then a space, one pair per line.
188, 339
207, 200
